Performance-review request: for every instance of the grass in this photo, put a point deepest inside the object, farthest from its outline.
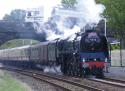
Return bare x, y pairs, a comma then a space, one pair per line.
17, 43
8, 83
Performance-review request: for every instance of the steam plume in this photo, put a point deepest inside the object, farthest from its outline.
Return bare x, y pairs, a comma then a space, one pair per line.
70, 21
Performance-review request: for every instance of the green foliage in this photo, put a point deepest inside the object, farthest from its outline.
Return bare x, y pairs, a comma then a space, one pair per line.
7, 83
17, 43
15, 15
115, 46
115, 14
68, 3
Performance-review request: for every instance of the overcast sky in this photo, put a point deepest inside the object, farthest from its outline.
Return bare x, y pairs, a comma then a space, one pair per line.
7, 5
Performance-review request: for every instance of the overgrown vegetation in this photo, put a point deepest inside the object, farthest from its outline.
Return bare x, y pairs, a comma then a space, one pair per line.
18, 42
68, 3
115, 15
115, 47
7, 83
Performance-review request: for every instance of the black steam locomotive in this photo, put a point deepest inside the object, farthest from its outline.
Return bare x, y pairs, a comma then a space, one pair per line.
85, 55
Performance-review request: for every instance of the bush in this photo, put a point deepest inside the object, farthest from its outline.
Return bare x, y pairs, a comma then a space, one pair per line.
115, 46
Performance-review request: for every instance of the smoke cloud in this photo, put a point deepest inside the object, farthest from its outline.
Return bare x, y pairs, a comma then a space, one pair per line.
90, 11
53, 69
48, 7
65, 22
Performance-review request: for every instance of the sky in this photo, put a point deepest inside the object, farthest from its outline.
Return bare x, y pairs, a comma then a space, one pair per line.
6, 6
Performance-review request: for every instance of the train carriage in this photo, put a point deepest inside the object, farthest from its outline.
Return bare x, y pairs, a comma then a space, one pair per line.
52, 52
85, 55
43, 52
34, 53
15, 56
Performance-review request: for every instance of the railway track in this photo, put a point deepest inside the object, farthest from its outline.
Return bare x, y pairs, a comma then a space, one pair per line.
115, 80
65, 84
110, 81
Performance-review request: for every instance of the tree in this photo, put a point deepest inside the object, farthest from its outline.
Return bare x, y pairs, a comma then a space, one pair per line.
14, 26
115, 14
68, 3
15, 15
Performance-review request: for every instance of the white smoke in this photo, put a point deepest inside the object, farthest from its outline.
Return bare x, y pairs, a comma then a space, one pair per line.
65, 32
48, 7
51, 35
85, 12
90, 11
52, 69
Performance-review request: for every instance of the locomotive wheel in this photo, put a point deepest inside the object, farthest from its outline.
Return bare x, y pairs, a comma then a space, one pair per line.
79, 69
62, 69
72, 71
84, 73
76, 70
79, 73
68, 73
100, 73
68, 70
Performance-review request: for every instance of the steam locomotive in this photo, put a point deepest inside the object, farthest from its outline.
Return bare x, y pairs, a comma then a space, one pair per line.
85, 55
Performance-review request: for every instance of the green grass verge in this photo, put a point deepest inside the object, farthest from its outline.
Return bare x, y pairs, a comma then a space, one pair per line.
17, 43
8, 83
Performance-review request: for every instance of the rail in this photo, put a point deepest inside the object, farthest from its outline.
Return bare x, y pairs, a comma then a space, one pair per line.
65, 84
